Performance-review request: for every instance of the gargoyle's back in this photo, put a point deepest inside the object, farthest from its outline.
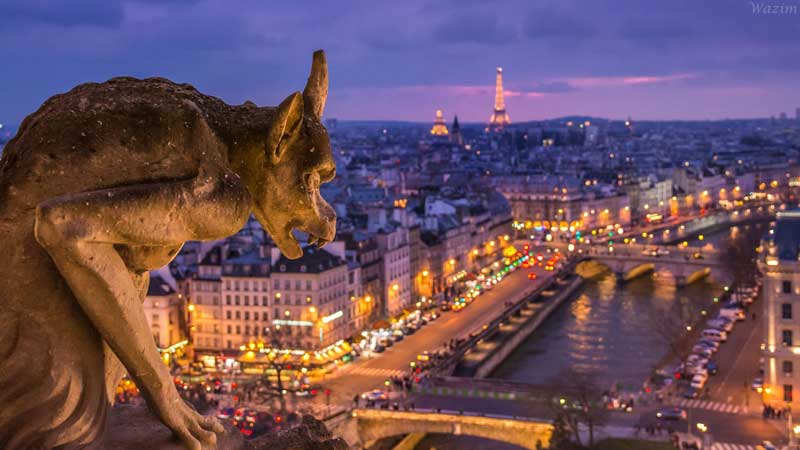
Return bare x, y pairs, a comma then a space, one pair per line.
124, 131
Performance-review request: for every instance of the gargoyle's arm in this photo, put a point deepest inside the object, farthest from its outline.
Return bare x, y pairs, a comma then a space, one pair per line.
80, 233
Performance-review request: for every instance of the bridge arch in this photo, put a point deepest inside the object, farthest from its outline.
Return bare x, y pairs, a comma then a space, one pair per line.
637, 271
624, 270
694, 274
376, 424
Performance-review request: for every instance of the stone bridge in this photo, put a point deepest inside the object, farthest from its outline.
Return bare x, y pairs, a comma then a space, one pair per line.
628, 261
363, 427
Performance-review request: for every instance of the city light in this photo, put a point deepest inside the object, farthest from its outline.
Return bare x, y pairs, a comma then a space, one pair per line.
332, 317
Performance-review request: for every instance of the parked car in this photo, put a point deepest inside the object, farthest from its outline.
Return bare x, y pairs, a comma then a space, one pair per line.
673, 413
698, 381
375, 395
379, 348
734, 313
715, 335
695, 370
709, 343
712, 367
720, 324
691, 393
696, 360
703, 350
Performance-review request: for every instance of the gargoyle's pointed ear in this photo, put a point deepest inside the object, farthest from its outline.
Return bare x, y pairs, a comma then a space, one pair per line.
316, 92
287, 123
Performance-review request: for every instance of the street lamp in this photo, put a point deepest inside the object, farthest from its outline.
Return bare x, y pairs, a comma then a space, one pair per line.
706, 436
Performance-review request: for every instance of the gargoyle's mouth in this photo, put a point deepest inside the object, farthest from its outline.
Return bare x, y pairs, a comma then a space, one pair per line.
316, 240
289, 245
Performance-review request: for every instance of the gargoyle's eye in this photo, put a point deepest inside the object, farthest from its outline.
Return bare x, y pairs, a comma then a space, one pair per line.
327, 175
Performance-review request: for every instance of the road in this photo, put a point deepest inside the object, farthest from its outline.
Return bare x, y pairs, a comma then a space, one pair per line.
732, 411
370, 373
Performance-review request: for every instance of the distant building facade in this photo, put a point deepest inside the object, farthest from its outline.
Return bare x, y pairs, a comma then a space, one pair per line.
781, 291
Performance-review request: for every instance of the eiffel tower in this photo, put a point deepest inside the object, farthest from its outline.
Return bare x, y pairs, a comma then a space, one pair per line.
499, 117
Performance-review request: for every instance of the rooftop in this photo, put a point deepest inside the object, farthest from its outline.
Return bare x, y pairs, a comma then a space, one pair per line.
787, 235
314, 260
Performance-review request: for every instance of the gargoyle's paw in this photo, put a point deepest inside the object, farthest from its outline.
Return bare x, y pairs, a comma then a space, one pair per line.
197, 432
188, 439
207, 438
212, 424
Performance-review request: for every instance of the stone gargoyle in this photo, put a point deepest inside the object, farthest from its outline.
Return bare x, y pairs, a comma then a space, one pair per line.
103, 184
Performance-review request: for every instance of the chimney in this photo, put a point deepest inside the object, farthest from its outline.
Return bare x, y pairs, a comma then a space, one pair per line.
275, 254
336, 248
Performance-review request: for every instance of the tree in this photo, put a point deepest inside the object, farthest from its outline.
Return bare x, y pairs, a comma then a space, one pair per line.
277, 338
673, 325
739, 256
560, 440
580, 404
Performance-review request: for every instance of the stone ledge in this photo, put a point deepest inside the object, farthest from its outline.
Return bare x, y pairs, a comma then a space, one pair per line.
134, 428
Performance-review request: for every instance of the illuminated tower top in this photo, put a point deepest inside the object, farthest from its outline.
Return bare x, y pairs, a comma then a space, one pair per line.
499, 117
439, 127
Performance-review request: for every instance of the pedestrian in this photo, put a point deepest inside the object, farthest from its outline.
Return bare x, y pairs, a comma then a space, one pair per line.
356, 398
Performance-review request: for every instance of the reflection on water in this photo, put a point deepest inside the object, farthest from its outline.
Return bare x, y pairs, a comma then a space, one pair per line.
607, 330
719, 239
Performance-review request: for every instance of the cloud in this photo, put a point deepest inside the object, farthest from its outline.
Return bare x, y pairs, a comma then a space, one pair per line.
549, 24
65, 13
594, 82
551, 87
475, 27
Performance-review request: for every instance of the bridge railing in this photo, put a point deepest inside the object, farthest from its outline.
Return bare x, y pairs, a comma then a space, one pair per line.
392, 413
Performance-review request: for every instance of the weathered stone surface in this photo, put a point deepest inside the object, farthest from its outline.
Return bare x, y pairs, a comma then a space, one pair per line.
106, 182
134, 428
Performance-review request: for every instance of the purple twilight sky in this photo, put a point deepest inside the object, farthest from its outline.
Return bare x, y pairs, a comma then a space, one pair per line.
677, 59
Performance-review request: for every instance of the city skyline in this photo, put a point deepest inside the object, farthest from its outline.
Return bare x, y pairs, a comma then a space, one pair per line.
401, 62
